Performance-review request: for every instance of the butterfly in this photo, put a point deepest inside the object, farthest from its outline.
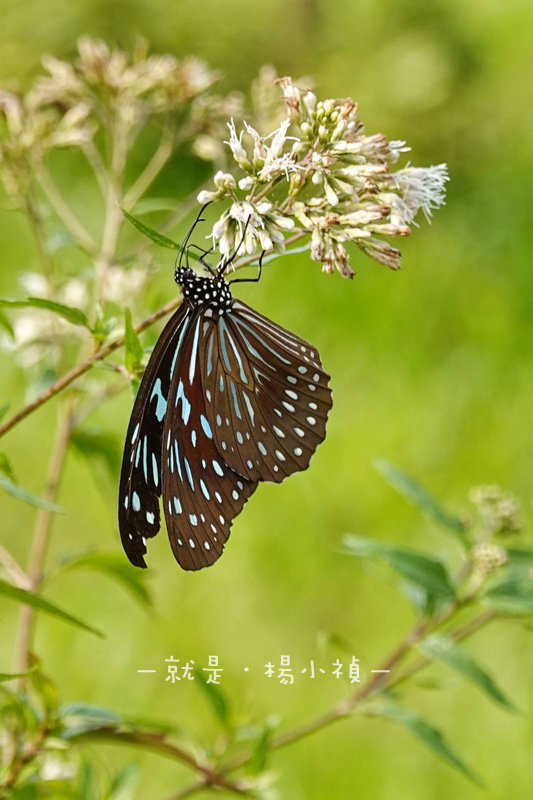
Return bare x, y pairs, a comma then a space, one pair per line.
228, 399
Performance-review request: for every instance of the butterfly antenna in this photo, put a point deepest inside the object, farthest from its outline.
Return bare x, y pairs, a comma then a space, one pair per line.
200, 258
186, 240
226, 264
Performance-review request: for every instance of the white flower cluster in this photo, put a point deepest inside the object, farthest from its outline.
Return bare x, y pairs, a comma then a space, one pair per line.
319, 173
67, 106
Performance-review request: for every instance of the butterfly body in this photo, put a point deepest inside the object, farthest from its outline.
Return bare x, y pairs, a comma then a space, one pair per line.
228, 399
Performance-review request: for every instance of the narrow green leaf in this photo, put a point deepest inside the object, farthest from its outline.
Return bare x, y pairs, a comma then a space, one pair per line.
95, 444
410, 564
39, 603
3, 410
215, 696
258, 759
87, 788
133, 347
87, 711
156, 237
124, 784
27, 497
6, 325
413, 491
73, 315
427, 734
5, 467
444, 650
150, 204
115, 567
514, 596
9, 676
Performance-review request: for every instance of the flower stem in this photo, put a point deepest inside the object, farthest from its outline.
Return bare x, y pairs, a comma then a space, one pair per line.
42, 531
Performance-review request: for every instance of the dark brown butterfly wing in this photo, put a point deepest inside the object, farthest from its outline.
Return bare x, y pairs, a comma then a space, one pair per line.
268, 395
140, 479
201, 493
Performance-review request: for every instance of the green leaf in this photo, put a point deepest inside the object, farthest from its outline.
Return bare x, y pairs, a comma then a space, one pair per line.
3, 410
133, 347
39, 603
150, 204
414, 492
6, 325
422, 570
95, 444
258, 759
156, 237
514, 596
86, 711
73, 315
9, 676
6, 468
114, 566
427, 734
444, 650
216, 698
27, 497
87, 787
124, 784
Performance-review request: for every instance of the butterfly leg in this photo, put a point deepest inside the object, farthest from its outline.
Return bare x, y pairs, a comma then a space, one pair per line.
257, 278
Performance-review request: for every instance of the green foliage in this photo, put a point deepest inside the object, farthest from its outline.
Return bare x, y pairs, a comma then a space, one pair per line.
115, 567
9, 486
216, 698
427, 734
427, 573
411, 489
442, 649
36, 601
72, 315
98, 445
133, 348
157, 238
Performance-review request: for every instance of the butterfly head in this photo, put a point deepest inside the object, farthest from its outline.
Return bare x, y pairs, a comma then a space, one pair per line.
213, 292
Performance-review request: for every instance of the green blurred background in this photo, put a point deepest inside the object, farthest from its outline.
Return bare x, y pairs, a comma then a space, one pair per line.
431, 369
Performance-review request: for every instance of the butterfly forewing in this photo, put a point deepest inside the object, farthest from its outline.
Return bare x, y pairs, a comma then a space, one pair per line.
268, 395
201, 493
140, 480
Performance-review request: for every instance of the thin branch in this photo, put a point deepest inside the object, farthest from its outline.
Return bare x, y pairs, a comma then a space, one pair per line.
103, 351
13, 569
159, 745
97, 165
64, 211
344, 709
152, 169
41, 537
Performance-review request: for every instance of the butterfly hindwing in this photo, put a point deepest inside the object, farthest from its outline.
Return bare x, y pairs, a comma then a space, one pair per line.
201, 493
140, 480
270, 395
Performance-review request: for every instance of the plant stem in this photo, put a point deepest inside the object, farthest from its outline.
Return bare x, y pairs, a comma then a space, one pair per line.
378, 682
41, 536
159, 745
152, 169
64, 211
14, 569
